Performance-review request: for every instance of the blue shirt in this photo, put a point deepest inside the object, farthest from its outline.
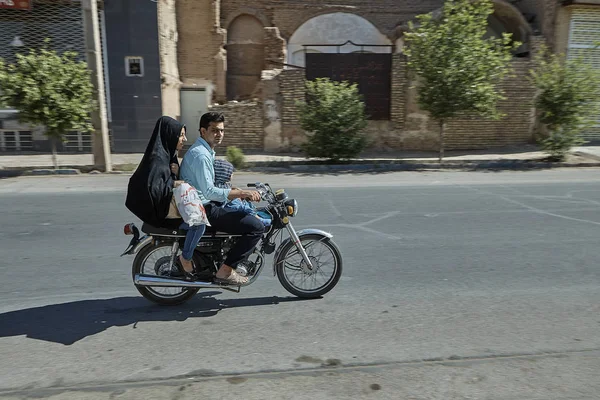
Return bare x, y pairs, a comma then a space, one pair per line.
198, 170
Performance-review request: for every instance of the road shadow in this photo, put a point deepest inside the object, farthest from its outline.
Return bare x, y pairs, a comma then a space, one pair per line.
68, 323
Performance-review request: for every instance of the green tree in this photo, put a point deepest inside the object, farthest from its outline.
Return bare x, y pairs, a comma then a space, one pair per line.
568, 99
49, 89
334, 117
458, 68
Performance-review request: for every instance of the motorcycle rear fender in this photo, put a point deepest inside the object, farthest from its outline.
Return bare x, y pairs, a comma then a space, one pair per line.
300, 233
135, 247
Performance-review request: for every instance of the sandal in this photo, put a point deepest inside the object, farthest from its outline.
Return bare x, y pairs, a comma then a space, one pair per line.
188, 276
233, 279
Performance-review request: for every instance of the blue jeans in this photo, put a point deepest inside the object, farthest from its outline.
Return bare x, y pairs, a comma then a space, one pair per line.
237, 223
192, 237
247, 207
240, 205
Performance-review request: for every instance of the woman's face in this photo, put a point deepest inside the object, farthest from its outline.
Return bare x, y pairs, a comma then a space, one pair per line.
182, 139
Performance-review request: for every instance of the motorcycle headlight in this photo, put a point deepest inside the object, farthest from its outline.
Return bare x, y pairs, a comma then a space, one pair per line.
291, 207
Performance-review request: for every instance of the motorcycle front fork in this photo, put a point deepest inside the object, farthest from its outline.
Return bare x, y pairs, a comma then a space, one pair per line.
296, 240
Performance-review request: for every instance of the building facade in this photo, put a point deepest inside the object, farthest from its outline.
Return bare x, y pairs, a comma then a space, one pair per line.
251, 61
185, 57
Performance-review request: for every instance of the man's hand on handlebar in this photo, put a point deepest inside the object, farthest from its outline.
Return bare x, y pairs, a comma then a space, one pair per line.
251, 195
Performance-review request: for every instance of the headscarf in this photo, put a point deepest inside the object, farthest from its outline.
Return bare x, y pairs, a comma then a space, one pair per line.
150, 187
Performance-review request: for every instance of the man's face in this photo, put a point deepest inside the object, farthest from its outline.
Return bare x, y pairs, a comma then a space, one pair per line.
214, 134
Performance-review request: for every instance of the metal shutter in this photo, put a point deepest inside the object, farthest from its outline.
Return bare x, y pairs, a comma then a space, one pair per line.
61, 21
583, 36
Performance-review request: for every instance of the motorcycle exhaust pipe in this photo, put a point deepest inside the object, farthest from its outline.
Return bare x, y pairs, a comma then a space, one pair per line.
156, 281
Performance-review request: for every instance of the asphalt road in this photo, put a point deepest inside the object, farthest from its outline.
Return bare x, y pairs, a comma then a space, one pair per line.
439, 267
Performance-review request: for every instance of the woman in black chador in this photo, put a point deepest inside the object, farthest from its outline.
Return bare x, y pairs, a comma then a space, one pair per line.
150, 188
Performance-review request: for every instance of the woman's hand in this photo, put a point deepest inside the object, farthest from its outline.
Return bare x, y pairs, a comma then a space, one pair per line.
177, 183
174, 168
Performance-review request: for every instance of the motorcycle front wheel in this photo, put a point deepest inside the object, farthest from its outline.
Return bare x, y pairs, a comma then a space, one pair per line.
155, 260
298, 278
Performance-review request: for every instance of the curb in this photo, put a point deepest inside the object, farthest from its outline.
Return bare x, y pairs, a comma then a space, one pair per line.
320, 167
60, 171
16, 172
416, 166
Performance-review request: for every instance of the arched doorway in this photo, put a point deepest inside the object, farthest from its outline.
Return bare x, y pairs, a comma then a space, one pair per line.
507, 18
346, 47
335, 29
245, 56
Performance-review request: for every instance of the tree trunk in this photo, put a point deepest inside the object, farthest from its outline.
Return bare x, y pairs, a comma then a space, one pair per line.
54, 155
442, 129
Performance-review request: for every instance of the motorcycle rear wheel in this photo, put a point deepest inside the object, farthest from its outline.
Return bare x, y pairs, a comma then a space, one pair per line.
154, 260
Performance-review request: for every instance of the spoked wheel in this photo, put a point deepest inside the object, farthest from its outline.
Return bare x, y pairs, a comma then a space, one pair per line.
298, 278
155, 260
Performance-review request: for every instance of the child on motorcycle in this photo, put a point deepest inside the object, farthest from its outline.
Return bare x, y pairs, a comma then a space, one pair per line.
223, 175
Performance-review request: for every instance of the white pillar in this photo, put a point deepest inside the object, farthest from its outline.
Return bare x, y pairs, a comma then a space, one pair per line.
100, 140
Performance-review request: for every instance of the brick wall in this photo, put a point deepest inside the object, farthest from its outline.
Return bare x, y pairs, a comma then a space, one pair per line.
516, 127
200, 39
275, 50
243, 125
293, 13
292, 89
412, 129
292, 84
398, 92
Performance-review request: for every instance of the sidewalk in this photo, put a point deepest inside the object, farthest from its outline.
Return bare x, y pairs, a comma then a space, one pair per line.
523, 157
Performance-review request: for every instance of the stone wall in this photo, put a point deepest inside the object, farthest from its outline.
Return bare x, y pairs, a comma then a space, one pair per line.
243, 125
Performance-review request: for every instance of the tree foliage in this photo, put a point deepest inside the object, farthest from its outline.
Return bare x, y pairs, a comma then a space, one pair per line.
49, 89
457, 66
334, 116
568, 99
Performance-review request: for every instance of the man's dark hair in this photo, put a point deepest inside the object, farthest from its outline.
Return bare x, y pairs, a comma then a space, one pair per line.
209, 117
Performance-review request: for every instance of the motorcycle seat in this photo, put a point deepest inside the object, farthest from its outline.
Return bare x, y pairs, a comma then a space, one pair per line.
173, 231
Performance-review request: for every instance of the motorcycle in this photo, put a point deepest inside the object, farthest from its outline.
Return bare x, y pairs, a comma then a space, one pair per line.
307, 263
